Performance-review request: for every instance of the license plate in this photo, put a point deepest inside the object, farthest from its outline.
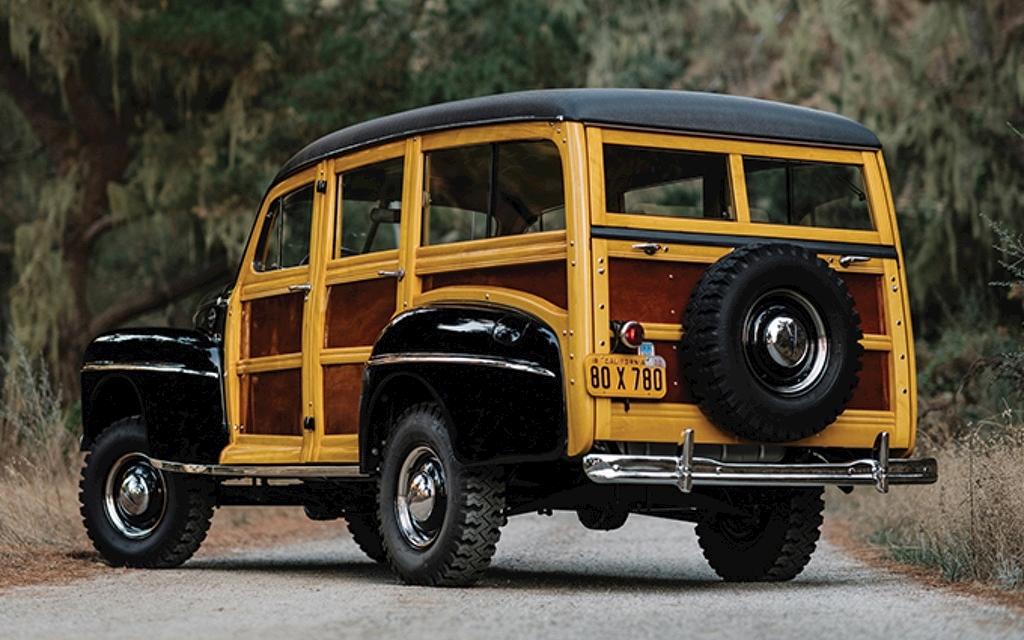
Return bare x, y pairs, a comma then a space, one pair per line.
624, 376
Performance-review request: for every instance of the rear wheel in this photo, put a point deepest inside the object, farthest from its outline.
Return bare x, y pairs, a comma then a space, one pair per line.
772, 543
135, 515
440, 521
365, 530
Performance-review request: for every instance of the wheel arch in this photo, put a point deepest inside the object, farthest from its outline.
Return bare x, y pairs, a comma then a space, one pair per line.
114, 397
495, 372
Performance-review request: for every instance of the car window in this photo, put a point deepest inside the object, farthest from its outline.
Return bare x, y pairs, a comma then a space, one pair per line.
491, 190
369, 209
810, 194
285, 239
663, 182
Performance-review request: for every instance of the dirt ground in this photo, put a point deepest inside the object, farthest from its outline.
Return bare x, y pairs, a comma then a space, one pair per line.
233, 528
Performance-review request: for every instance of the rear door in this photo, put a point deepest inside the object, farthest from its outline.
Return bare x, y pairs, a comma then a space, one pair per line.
357, 293
664, 207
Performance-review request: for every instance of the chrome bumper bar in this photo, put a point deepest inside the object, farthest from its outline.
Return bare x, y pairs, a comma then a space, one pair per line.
687, 470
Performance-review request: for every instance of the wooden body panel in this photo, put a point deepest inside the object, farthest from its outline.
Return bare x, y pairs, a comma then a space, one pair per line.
575, 282
545, 280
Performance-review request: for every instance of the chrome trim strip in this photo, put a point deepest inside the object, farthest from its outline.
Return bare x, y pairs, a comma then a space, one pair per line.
686, 470
159, 367
259, 470
448, 358
728, 240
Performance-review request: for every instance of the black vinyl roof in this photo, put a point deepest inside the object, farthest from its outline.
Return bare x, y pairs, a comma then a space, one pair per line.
704, 113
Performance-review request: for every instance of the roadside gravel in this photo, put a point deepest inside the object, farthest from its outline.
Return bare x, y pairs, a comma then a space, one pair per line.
551, 578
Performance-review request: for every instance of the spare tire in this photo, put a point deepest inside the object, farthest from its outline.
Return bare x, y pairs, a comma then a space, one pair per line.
771, 343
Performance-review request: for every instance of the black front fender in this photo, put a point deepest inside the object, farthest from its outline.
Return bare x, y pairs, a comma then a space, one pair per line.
495, 372
172, 378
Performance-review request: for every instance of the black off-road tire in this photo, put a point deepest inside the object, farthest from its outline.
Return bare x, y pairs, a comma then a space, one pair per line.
186, 517
715, 361
774, 545
365, 531
472, 518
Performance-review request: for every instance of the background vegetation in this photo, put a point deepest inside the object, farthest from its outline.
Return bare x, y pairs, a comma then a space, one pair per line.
139, 135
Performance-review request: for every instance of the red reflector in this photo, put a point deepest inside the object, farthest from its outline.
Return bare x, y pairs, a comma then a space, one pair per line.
632, 334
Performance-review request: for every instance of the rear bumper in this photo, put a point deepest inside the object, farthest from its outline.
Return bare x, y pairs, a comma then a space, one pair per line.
685, 470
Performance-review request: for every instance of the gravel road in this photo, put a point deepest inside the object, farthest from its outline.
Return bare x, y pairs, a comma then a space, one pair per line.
551, 578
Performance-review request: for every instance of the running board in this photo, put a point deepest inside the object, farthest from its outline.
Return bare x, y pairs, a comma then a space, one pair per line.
260, 470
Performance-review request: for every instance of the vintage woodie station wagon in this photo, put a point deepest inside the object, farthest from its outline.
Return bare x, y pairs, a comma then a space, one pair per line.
613, 302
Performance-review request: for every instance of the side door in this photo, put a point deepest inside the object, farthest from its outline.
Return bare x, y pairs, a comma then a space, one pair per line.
357, 294
269, 399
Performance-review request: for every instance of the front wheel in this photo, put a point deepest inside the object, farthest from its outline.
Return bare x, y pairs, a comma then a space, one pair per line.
773, 541
439, 521
136, 515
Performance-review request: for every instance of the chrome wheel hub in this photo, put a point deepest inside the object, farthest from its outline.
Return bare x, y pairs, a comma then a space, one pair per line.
134, 496
785, 342
421, 498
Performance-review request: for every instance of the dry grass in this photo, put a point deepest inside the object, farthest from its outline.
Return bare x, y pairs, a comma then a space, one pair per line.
38, 460
969, 526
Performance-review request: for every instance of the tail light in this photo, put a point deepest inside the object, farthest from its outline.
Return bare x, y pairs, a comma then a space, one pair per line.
631, 334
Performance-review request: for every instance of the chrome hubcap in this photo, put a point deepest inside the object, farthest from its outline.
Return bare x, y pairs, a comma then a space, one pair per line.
134, 496
785, 342
422, 497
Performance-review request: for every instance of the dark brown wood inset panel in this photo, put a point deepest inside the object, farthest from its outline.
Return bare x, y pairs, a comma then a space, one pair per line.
651, 290
866, 290
342, 385
273, 403
677, 389
543, 279
873, 389
358, 311
274, 325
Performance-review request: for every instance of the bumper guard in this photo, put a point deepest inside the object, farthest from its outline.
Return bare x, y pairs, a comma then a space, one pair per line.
686, 470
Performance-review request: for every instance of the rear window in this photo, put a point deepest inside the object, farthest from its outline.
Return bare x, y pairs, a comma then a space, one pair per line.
660, 182
808, 194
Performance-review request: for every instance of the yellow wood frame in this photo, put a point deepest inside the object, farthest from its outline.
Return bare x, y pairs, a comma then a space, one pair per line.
252, 448
663, 422
586, 261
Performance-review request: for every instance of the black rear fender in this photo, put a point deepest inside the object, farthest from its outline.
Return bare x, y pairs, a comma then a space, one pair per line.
495, 372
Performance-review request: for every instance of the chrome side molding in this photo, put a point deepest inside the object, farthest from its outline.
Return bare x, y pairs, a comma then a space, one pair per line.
156, 367
259, 470
686, 470
457, 358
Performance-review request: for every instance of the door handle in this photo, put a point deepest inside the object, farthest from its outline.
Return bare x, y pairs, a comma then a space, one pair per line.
299, 288
398, 273
650, 248
846, 261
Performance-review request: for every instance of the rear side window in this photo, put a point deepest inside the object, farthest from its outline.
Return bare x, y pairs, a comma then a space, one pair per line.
809, 194
369, 209
662, 182
285, 239
492, 190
